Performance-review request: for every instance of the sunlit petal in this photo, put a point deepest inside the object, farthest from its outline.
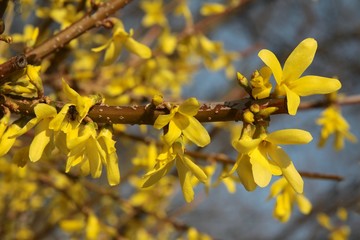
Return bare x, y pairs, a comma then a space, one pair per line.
300, 59
293, 101
272, 62
303, 203
280, 157
189, 107
289, 136
197, 133
309, 85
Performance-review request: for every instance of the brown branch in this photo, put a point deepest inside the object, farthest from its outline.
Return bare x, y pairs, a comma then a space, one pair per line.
348, 100
59, 40
147, 114
224, 159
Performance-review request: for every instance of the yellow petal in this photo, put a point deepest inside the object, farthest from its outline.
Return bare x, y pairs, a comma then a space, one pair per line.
173, 133
282, 209
189, 107
57, 122
70, 93
309, 85
102, 47
92, 152
43, 110
162, 120
299, 60
181, 121
137, 48
41, 140
6, 142
155, 175
324, 221
262, 176
92, 227
272, 62
185, 181
280, 157
212, 8
289, 136
246, 145
303, 203
196, 133
112, 169
277, 187
195, 169
293, 101
244, 171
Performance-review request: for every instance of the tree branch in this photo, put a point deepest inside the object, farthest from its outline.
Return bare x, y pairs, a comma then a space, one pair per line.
59, 40
147, 114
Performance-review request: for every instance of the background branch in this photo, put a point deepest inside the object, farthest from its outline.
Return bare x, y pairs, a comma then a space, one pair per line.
59, 40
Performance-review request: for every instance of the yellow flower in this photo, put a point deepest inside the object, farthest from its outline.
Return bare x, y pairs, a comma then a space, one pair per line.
181, 120
260, 82
72, 114
337, 232
29, 36
289, 82
261, 158
154, 13
7, 140
119, 39
286, 197
333, 122
184, 165
43, 137
26, 83
84, 149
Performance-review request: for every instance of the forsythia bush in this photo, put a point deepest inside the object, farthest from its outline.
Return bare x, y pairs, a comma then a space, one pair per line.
66, 114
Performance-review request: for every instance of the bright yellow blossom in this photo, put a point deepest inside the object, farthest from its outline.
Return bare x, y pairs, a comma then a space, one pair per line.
119, 39
260, 83
184, 165
181, 120
7, 140
333, 122
85, 150
82, 105
286, 197
43, 135
260, 158
289, 80
154, 13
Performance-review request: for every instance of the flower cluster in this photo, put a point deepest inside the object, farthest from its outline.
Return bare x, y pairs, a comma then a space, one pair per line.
119, 39
339, 231
286, 197
181, 121
289, 81
65, 132
186, 168
260, 158
333, 122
